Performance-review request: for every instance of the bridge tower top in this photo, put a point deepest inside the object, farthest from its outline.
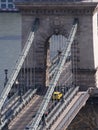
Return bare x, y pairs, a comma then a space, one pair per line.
52, 3
55, 1
60, 5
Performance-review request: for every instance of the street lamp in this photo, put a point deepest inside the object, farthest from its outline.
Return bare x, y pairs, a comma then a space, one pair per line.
19, 90
6, 76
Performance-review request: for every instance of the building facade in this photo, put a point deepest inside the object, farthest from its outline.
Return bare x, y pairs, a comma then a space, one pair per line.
7, 5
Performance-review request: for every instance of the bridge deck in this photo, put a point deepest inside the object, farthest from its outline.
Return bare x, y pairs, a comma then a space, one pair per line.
25, 116
58, 123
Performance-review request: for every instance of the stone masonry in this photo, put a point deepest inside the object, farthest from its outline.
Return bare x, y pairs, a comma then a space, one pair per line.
57, 18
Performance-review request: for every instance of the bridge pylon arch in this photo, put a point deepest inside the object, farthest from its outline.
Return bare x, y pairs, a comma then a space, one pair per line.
56, 17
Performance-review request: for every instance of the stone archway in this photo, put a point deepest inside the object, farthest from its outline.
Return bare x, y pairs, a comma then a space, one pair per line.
41, 49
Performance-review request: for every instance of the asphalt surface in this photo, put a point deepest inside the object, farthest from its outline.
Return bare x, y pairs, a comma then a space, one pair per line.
26, 115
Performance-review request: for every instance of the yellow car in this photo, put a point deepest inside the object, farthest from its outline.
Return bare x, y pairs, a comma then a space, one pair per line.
57, 95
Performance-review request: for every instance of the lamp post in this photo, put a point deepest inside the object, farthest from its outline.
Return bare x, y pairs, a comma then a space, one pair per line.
6, 76
19, 90
59, 54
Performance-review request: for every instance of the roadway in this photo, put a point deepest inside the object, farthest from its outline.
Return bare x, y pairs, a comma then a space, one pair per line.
26, 115
70, 111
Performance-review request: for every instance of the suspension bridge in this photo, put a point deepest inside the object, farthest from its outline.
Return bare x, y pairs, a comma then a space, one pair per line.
63, 29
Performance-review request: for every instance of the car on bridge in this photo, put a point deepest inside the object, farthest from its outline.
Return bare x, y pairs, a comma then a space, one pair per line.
57, 95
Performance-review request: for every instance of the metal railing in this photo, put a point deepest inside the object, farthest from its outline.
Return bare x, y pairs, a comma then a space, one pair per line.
62, 107
73, 111
16, 108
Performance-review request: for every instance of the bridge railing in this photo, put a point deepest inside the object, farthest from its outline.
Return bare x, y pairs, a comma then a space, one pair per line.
10, 113
74, 110
67, 101
54, 106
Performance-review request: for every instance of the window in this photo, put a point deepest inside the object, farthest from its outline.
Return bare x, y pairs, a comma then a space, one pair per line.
3, 6
10, 6
10, 0
3, 0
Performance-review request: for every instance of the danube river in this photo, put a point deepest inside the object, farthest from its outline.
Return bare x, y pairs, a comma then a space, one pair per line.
10, 43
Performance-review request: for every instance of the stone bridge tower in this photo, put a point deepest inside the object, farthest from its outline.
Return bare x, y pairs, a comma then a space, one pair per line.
56, 17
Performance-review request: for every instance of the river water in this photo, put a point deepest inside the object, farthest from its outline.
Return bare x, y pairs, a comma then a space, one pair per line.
10, 43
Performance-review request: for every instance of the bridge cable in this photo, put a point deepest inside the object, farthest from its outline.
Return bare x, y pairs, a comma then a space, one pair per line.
53, 82
19, 63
